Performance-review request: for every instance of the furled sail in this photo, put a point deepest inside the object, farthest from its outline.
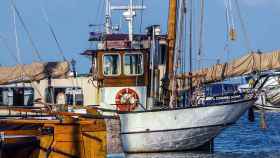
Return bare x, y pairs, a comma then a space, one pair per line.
33, 72
245, 65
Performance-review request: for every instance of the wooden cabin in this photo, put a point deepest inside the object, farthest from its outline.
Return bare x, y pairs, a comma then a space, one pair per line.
128, 74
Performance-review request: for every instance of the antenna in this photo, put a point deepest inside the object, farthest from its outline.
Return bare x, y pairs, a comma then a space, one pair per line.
129, 14
108, 23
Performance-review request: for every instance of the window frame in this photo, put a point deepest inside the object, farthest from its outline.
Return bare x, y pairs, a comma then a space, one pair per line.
142, 63
119, 65
64, 90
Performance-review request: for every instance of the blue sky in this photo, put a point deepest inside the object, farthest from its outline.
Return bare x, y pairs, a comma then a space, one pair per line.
70, 20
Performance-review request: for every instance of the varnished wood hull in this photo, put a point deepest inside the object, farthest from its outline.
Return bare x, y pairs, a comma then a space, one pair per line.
68, 138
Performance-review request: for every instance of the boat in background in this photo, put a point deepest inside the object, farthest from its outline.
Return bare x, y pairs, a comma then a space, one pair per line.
268, 89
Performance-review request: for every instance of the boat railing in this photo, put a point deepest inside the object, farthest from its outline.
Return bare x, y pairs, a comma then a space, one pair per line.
22, 111
115, 106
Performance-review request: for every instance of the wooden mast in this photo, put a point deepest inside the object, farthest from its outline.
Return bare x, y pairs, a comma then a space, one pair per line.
171, 36
172, 20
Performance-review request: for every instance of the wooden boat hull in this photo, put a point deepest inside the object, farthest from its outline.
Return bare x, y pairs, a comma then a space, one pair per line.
69, 137
177, 130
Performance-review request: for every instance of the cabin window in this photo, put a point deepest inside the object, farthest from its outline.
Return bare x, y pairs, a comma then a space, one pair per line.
94, 68
1, 96
74, 96
111, 64
17, 96
65, 95
133, 64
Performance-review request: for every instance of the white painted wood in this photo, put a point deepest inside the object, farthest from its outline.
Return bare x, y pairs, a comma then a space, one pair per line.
177, 129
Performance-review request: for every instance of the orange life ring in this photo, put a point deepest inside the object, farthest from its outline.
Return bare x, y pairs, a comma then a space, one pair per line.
126, 100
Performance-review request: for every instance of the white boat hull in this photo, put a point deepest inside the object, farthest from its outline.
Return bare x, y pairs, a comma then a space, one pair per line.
267, 106
177, 130
270, 100
273, 95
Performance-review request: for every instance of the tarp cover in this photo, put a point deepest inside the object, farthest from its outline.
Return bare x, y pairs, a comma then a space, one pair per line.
33, 72
245, 65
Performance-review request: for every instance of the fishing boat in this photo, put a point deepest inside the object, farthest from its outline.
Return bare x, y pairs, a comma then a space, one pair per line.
136, 76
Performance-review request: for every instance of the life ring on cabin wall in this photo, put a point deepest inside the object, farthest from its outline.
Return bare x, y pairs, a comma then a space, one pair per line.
126, 100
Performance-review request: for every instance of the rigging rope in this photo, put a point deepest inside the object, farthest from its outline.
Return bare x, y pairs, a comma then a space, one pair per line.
201, 29
53, 33
98, 12
230, 21
190, 52
74, 81
243, 28
4, 41
26, 30
18, 56
141, 16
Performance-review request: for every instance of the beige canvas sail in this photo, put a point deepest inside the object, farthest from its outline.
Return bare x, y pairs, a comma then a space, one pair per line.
245, 65
33, 72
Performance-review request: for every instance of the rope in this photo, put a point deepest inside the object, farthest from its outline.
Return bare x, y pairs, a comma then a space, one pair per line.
243, 28
16, 59
5, 43
185, 38
16, 37
190, 35
53, 33
74, 81
26, 30
229, 24
231, 15
102, 6
200, 49
141, 16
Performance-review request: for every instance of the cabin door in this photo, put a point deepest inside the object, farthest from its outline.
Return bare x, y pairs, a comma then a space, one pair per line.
18, 96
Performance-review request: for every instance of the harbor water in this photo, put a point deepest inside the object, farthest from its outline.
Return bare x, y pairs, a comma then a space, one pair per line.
244, 139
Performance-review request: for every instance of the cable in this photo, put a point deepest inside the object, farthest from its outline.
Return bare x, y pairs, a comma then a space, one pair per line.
26, 30
61, 53
245, 33
16, 37
4, 41
53, 33
97, 18
202, 6
141, 16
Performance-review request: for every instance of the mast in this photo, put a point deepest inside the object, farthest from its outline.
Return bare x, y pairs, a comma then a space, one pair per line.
129, 18
190, 53
129, 14
171, 35
108, 24
171, 39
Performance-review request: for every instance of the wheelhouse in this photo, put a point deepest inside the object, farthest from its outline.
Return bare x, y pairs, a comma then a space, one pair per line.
129, 72
121, 67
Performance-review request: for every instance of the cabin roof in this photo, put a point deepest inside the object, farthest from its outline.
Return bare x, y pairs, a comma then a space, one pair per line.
90, 52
